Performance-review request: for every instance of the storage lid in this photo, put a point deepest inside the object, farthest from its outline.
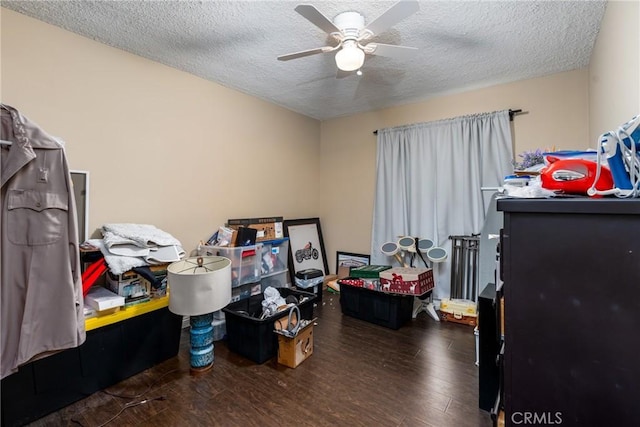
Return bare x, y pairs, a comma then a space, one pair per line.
275, 241
368, 271
309, 273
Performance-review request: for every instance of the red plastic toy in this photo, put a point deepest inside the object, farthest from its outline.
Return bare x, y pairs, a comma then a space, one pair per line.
574, 176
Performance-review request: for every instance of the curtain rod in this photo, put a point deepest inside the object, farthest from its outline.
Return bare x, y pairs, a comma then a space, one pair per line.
512, 113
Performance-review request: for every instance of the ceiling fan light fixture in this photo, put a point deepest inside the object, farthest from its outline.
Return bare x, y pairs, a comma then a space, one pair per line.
349, 31
350, 57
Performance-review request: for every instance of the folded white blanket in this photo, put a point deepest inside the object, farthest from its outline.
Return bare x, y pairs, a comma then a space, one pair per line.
163, 254
142, 235
118, 245
117, 264
126, 246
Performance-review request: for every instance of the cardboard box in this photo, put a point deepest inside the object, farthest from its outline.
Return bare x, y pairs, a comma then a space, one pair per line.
269, 228
160, 276
370, 275
129, 285
343, 271
101, 299
264, 232
262, 220
157, 269
160, 291
407, 281
136, 288
352, 281
284, 322
369, 271
328, 278
294, 351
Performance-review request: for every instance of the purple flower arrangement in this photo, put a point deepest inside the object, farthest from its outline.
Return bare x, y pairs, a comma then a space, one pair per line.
529, 159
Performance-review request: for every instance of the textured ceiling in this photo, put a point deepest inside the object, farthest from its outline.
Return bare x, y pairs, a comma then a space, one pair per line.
462, 45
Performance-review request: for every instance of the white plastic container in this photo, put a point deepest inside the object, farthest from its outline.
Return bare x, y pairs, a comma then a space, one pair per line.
277, 280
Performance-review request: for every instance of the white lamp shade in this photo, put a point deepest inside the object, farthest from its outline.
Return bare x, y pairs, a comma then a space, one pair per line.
199, 285
350, 57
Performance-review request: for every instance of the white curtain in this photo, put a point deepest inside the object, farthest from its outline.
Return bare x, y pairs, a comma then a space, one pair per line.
429, 179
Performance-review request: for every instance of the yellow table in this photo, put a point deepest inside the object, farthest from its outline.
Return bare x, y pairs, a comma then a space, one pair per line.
126, 313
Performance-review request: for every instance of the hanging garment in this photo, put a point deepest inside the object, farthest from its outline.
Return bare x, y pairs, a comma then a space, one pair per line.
41, 287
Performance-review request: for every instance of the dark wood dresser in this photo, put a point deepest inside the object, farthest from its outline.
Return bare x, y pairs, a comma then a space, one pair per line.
571, 271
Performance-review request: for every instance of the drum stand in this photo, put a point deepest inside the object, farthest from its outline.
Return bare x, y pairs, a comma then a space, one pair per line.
426, 305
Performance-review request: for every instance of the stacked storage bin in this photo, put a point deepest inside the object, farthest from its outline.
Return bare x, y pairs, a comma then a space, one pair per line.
245, 277
273, 264
246, 269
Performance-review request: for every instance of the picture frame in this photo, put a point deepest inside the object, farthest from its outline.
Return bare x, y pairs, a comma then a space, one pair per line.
347, 260
306, 246
80, 180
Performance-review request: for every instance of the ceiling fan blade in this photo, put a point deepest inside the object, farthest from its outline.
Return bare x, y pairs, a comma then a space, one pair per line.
316, 18
390, 50
304, 53
393, 15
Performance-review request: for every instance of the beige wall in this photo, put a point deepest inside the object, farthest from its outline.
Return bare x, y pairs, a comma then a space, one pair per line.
557, 115
162, 147
614, 71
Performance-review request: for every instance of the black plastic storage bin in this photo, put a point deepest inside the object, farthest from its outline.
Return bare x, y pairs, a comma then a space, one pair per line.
380, 308
254, 338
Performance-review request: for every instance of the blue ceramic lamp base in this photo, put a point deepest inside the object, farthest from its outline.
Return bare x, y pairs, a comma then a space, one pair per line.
201, 343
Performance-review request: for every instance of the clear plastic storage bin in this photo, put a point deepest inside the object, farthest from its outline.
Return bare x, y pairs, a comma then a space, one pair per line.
277, 280
245, 261
275, 256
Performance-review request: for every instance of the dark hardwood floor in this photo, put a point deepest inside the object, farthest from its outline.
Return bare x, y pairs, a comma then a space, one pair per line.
359, 374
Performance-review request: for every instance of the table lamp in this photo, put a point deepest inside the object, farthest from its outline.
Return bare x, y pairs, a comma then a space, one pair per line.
197, 287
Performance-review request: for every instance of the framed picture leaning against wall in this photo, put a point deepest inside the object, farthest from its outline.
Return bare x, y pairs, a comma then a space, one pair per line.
306, 247
345, 261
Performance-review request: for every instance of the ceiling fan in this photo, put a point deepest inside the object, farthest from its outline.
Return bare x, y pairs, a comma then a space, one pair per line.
349, 30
